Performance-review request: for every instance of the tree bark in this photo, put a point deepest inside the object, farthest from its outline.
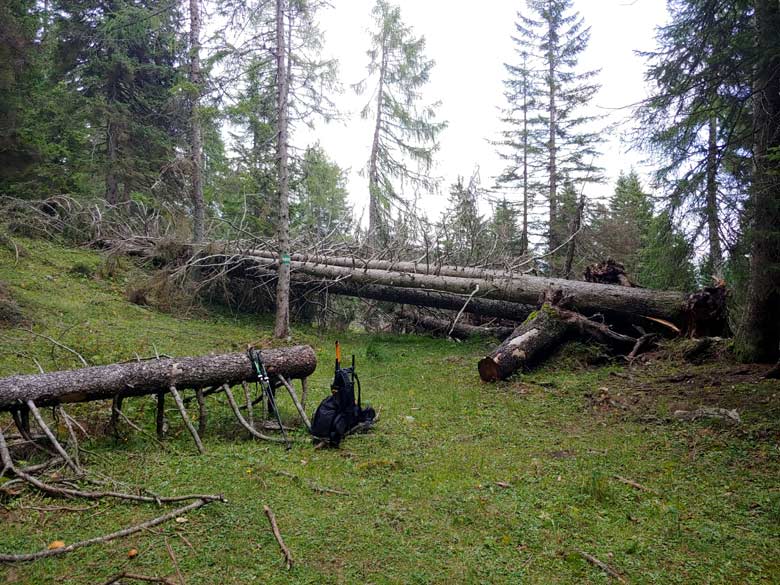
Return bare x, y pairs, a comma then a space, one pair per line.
150, 377
524, 235
713, 220
758, 338
625, 303
112, 185
282, 324
376, 228
608, 272
552, 168
196, 141
421, 298
445, 328
302, 283
534, 340
396, 265
574, 228
530, 343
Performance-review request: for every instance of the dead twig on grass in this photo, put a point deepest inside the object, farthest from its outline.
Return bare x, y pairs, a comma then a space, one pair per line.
174, 561
59, 344
602, 565
11, 558
278, 535
136, 577
635, 484
7, 462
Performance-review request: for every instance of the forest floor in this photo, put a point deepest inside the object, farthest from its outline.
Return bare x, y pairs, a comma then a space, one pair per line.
460, 482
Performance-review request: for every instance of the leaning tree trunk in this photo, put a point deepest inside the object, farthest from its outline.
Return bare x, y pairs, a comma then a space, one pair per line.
150, 377
531, 342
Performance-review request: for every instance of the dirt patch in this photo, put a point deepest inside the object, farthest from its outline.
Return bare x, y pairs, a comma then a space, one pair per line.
665, 382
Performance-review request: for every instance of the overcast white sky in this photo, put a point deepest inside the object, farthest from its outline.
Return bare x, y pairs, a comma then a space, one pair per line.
470, 43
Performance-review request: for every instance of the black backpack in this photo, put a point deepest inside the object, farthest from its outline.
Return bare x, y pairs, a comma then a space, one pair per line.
340, 413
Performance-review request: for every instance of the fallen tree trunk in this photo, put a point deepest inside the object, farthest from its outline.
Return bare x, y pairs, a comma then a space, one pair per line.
150, 377
588, 298
445, 327
393, 265
530, 343
419, 297
404, 296
534, 340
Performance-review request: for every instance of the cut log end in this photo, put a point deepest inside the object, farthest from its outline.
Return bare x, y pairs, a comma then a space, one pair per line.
489, 370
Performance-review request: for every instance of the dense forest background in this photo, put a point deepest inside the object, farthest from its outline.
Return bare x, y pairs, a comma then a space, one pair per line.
190, 110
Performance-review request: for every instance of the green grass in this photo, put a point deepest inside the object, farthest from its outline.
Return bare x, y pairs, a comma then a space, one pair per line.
424, 503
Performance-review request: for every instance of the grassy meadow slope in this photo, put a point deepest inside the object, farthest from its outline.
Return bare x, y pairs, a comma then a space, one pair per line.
461, 482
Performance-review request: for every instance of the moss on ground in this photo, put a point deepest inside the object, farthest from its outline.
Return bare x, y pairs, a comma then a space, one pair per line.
461, 482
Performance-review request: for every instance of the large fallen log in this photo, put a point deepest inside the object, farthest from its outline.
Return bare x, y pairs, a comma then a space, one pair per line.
588, 298
418, 297
530, 343
458, 330
149, 377
303, 283
541, 334
416, 267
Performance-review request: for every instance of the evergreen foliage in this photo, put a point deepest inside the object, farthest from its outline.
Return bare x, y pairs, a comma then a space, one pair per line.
405, 132
465, 234
555, 133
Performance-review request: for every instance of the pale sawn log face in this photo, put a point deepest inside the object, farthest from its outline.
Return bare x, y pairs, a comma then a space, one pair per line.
150, 377
530, 343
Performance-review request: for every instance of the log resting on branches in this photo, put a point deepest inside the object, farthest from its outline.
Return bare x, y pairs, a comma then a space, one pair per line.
587, 298
150, 377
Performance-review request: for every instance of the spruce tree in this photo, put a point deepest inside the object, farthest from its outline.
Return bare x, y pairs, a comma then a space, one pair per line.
551, 36
123, 61
405, 132
697, 122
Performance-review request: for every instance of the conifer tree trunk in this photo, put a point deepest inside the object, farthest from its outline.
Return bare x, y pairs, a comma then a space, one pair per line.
576, 223
375, 219
112, 185
524, 235
282, 325
713, 222
552, 165
196, 141
758, 339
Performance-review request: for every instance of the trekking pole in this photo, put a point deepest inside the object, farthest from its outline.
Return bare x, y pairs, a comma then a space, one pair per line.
272, 401
265, 384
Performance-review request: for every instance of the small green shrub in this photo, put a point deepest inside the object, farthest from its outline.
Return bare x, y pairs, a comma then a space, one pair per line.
11, 314
82, 269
